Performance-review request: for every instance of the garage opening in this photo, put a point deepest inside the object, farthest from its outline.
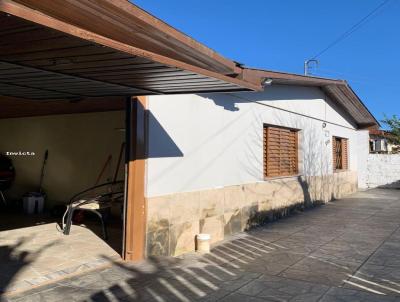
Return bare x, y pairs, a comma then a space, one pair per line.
50, 162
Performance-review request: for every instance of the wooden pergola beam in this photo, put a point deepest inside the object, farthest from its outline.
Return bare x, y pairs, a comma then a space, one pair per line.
123, 21
21, 11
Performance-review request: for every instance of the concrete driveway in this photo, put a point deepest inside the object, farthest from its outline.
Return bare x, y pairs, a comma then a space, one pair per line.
347, 250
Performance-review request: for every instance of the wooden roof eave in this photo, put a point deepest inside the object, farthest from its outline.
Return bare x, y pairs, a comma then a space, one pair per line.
29, 14
345, 97
122, 21
338, 91
375, 122
284, 78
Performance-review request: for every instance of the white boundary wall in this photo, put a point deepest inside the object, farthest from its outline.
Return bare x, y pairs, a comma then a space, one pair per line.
383, 170
362, 157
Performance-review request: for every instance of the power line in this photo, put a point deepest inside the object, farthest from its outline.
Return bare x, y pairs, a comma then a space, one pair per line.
352, 29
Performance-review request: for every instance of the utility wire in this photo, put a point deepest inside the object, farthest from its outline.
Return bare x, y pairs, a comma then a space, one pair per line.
352, 29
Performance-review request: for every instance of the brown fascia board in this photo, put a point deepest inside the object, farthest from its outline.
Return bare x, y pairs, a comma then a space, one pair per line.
125, 22
283, 78
289, 78
365, 108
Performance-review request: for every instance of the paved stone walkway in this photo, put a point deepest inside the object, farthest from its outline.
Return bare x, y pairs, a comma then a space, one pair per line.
347, 250
41, 254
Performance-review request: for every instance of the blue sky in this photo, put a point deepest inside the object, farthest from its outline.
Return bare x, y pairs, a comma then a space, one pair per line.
280, 35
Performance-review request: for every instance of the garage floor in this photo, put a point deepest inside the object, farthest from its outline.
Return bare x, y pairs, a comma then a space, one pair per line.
40, 254
347, 250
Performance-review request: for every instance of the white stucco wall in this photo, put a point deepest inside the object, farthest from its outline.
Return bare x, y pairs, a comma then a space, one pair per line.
362, 157
383, 170
201, 142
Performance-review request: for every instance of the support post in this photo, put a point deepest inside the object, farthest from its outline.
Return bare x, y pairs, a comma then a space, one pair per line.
135, 206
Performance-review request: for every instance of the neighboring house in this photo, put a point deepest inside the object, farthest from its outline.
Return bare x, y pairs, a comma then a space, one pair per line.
211, 146
379, 142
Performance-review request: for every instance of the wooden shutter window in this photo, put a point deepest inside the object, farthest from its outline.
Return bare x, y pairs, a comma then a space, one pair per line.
340, 153
280, 151
337, 153
345, 156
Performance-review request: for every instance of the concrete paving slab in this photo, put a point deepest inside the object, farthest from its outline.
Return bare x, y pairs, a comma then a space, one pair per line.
343, 251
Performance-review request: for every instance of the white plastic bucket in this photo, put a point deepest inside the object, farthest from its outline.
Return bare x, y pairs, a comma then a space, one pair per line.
203, 243
33, 203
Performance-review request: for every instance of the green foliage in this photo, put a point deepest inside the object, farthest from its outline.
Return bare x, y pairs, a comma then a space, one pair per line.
394, 126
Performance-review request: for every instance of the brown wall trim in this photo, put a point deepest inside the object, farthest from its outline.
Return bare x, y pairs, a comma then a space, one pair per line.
135, 208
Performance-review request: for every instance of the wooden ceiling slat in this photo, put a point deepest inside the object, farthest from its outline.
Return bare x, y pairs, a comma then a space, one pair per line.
50, 80
16, 30
38, 79
18, 74
62, 81
123, 72
75, 60
142, 74
164, 76
173, 81
70, 85
117, 70
8, 23
77, 86
21, 93
56, 54
10, 88
199, 90
105, 66
37, 34
62, 84
193, 85
32, 47
7, 28
83, 90
16, 107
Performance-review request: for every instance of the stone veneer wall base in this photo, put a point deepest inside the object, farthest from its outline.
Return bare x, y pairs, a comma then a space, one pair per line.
174, 220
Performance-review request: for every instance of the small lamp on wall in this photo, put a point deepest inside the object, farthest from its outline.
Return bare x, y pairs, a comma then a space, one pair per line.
267, 82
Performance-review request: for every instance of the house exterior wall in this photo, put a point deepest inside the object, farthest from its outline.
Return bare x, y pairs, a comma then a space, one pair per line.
205, 165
